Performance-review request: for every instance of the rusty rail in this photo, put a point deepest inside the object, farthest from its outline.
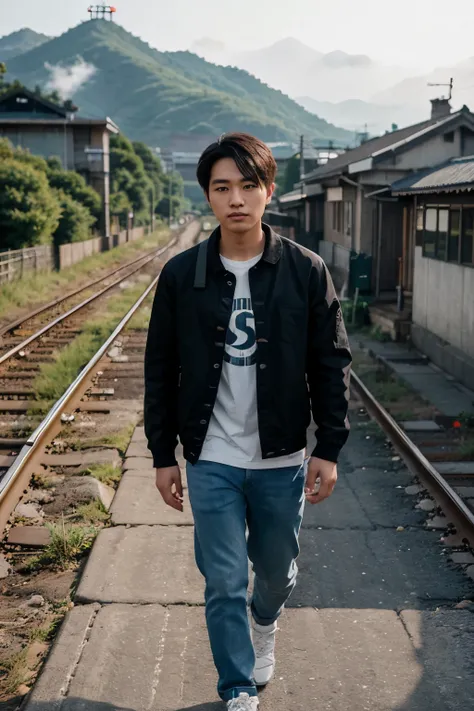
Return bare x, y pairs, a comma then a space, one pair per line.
55, 302
453, 506
145, 260
16, 478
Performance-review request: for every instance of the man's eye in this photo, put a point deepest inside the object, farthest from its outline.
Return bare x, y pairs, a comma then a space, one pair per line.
251, 185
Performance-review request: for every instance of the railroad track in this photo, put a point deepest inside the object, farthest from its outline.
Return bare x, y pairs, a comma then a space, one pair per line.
80, 397
29, 342
434, 455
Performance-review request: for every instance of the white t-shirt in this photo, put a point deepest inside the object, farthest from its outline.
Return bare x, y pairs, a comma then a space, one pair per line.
232, 437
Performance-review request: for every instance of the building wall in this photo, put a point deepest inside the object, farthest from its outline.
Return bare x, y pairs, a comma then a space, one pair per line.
430, 152
47, 141
443, 301
340, 231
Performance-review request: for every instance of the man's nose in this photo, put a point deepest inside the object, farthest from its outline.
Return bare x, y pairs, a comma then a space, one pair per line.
236, 198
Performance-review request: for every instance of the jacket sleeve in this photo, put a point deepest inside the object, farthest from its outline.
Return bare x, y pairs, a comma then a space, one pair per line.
328, 365
162, 375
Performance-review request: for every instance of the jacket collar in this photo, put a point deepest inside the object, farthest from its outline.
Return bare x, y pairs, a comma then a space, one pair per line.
271, 252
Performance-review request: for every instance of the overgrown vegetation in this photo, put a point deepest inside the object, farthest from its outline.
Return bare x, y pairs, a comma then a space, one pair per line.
67, 545
15, 670
54, 378
106, 473
117, 440
44, 286
93, 512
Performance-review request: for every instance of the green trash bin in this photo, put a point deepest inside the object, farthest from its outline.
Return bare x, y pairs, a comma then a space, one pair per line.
360, 273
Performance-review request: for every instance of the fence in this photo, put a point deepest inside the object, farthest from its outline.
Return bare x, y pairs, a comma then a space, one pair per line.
15, 263
75, 252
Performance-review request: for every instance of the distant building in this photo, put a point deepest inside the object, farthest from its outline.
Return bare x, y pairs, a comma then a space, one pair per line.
47, 129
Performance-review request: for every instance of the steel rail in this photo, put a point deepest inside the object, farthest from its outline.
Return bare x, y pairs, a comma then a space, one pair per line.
16, 478
453, 506
55, 302
20, 346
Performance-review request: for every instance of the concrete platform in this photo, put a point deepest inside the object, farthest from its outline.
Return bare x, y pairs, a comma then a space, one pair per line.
138, 501
371, 625
159, 567
154, 658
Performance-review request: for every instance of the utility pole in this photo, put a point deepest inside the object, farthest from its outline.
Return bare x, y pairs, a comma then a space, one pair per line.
301, 157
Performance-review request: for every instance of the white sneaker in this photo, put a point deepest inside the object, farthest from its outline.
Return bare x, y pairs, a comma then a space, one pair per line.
264, 646
243, 702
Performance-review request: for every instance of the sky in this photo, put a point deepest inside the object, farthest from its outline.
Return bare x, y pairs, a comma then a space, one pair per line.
420, 34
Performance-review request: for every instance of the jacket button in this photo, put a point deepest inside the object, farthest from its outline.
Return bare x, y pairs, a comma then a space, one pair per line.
203, 422
216, 365
262, 366
229, 283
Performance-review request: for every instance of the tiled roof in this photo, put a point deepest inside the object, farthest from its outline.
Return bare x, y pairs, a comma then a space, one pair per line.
458, 174
377, 146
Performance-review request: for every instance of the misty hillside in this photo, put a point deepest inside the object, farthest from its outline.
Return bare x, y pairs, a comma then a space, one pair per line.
20, 42
152, 94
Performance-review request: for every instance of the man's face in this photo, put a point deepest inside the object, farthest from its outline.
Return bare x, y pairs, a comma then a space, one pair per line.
237, 203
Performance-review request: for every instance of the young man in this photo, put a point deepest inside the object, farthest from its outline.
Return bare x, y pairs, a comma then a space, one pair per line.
246, 335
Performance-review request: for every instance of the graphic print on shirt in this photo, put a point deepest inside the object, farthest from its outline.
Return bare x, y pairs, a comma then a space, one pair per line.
241, 345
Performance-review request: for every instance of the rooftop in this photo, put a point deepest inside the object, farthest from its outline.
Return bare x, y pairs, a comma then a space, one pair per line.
376, 147
456, 175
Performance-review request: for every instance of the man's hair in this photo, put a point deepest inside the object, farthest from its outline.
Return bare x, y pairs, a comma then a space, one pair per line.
253, 158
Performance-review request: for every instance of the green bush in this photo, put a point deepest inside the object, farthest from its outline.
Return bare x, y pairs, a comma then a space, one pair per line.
76, 187
29, 211
75, 221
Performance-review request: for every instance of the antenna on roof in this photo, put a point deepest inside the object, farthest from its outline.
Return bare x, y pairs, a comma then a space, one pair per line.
99, 12
450, 85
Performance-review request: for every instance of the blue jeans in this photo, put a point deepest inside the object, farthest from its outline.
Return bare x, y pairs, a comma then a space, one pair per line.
223, 500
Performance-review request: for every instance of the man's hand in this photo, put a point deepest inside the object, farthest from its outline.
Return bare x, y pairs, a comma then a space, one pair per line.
326, 472
168, 483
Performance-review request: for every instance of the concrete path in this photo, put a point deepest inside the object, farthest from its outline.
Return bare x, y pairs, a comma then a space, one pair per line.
433, 384
372, 625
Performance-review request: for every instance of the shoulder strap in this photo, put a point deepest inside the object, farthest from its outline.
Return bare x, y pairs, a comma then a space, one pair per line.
201, 266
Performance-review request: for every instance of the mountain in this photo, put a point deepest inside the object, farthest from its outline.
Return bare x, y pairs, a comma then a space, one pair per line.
20, 42
359, 116
299, 70
153, 95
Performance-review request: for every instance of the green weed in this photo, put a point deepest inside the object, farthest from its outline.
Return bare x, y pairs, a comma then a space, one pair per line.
106, 473
93, 512
67, 544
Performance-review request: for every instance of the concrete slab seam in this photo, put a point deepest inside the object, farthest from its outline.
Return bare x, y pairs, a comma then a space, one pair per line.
160, 655
87, 634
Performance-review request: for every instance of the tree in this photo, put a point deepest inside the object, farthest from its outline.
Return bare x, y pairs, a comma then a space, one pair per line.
128, 176
153, 168
29, 211
75, 221
74, 185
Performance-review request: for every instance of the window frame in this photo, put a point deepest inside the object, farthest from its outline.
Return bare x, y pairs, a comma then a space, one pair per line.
446, 254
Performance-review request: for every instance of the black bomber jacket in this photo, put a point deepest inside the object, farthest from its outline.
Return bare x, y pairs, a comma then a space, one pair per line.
303, 357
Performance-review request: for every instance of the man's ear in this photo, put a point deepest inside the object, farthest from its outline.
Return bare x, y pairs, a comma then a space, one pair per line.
270, 191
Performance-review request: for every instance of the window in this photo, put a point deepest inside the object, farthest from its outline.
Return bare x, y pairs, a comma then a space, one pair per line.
419, 227
449, 137
348, 219
337, 216
448, 233
442, 241
453, 239
431, 227
467, 236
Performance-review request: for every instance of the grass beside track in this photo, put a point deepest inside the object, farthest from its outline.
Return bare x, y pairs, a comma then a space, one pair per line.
54, 378
43, 287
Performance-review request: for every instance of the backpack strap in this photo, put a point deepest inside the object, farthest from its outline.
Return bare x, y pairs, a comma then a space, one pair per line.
201, 266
